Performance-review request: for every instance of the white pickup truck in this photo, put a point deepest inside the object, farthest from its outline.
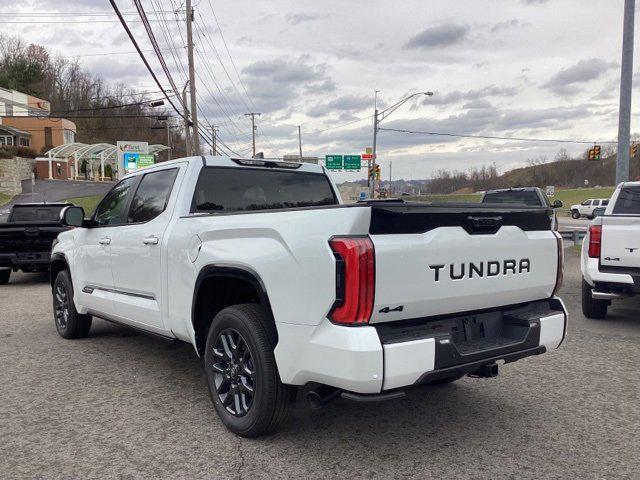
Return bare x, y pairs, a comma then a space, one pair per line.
277, 284
586, 208
611, 252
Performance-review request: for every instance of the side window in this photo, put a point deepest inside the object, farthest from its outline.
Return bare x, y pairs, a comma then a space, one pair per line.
605, 203
595, 203
152, 196
112, 208
586, 203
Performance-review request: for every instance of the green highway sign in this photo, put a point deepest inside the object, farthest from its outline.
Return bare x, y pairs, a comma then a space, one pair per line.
333, 162
352, 162
145, 160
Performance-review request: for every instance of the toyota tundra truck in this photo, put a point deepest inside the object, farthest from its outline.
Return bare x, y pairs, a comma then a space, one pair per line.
610, 261
278, 285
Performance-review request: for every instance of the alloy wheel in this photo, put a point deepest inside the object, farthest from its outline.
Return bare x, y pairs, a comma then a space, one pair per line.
233, 372
61, 307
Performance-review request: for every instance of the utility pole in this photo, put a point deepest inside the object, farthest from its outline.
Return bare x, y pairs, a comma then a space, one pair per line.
187, 134
300, 142
192, 81
371, 164
168, 140
214, 130
390, 167
253, 128
624, 119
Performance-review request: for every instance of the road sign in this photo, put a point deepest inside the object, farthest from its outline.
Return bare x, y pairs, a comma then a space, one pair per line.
145, 160
367, 156
333, 162
363, 196
368, 150
352, 162
551, 190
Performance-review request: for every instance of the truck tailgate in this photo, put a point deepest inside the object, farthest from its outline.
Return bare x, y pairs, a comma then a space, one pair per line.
620, 241
435, 260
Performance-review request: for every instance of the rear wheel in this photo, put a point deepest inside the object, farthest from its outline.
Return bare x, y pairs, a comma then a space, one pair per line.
69, 323
575, 214
242, 375
5, 273
591, 307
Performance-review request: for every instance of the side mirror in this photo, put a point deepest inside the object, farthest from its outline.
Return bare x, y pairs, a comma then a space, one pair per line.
72, 216
556, 204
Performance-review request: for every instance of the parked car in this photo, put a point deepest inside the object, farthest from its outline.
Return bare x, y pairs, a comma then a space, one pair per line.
586, 208
27, 236
277, 284
611, 253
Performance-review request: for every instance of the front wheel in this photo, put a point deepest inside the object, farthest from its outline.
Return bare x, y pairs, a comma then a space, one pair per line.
242, 375
575, 214
591, 307
69, 323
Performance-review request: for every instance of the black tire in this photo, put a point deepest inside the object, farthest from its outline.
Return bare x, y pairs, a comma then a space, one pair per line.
4, 276
69, 323
575, 214
242, 375
592, 308
447, 380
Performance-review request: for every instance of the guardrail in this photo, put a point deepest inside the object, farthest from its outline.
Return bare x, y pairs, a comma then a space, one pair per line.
574, 235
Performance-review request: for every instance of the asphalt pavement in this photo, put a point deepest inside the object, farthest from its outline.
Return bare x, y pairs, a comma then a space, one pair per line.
119, 404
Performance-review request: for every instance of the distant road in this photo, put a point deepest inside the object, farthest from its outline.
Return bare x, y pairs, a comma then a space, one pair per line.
568, 223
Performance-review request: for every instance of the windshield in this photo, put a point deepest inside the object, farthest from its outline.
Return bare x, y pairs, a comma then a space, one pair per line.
527, 197
35, 213
225, 190
628, 201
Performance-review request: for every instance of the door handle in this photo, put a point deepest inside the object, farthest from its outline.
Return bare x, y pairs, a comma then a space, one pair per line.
152, 240
104, 241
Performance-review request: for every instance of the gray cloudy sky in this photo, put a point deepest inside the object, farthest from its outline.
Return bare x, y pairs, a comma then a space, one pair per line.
536, 68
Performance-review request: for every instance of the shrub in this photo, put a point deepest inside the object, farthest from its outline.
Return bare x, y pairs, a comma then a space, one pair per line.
10, 151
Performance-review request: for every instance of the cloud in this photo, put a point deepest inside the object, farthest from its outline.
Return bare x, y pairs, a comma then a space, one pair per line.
298, 18
506, 25
470, 95
443, 35
567, 81
534, 2
345, 103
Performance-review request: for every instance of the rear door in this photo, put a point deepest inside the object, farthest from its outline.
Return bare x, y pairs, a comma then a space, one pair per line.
136, 250
621, 231
441, 261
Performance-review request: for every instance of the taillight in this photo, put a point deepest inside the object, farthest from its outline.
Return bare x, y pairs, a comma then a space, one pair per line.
560, 265
355, 280
595, 240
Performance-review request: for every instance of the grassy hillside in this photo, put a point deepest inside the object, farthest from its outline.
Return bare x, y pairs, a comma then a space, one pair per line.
4, 199
568, 197
88, 203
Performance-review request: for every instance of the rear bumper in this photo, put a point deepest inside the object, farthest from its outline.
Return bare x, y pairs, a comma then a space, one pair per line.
372, 359
610, 282
28, 260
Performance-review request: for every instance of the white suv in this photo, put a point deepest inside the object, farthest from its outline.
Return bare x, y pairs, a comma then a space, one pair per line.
586, 208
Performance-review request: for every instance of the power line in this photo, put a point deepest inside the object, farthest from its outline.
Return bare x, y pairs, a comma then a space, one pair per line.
494, 137
146, 63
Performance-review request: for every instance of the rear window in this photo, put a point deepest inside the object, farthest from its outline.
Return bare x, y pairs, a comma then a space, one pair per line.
226, 190
628, 201
36, 213
526, 197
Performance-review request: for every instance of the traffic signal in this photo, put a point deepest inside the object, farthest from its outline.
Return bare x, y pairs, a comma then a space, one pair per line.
377, 172
634, 150
594, 153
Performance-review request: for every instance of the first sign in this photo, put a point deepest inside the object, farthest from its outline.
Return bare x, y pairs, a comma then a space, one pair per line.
333, 162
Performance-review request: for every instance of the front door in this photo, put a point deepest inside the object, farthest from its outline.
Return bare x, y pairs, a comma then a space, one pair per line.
136, 251
94, 286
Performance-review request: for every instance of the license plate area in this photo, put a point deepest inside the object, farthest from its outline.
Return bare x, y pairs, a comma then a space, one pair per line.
467, 338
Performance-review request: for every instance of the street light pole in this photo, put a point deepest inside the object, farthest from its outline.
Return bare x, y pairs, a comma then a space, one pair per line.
300, 142
626, 79
377, 118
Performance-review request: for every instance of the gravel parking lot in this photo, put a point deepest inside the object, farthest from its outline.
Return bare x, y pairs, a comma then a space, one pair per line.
122, 404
